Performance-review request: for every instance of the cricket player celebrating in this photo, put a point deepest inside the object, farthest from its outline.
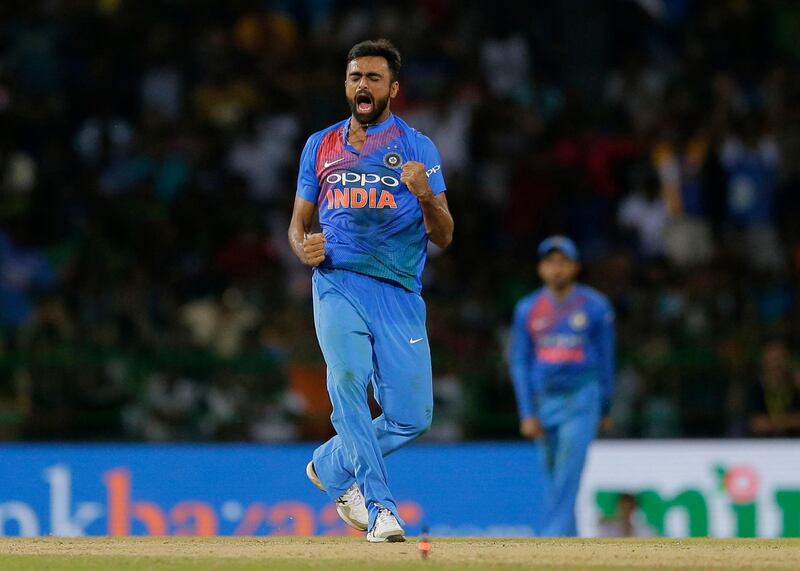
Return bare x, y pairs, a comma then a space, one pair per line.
562, 367
380, 193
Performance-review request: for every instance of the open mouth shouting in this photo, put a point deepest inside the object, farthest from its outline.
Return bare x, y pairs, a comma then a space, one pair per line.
364, 103
366, 107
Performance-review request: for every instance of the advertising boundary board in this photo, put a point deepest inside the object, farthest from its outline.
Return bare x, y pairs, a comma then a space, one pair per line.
742, 488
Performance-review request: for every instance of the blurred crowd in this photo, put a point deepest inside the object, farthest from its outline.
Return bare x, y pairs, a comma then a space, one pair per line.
148, 157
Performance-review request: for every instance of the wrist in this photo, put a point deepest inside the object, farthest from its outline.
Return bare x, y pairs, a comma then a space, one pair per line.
299, 251
427, 197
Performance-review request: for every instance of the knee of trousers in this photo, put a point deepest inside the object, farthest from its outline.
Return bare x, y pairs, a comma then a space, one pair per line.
412, 426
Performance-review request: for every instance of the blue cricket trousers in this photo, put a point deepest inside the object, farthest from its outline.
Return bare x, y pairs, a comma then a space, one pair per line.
570, 422
370, 331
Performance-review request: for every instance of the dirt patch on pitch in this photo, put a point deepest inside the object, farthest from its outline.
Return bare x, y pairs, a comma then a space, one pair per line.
740, 553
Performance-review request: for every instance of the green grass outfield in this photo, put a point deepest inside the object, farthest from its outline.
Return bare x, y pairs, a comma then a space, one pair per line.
355, 554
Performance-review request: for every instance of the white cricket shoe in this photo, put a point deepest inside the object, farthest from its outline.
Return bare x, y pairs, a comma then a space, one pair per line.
312, 475
350, 506
386, 528
353, 509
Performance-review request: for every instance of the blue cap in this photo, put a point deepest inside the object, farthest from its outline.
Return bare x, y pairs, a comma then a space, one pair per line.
562, 244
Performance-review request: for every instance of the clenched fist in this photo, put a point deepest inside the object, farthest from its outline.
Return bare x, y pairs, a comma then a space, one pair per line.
531, 428
314, 249
415, 178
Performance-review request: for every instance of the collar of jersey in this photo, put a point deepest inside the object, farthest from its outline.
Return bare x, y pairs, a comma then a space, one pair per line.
371, 130
561, 302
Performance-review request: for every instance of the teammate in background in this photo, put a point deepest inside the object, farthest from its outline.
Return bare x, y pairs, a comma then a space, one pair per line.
379, 189
562, 367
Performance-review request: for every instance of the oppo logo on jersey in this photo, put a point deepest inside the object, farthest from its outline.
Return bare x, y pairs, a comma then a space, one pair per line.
361, 179
360, 196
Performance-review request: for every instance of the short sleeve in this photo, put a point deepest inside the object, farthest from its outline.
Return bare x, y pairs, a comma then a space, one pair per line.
607, 313
429, 156
307, 181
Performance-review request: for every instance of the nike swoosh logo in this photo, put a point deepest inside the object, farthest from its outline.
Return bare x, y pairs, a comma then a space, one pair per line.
412, 341
330, 164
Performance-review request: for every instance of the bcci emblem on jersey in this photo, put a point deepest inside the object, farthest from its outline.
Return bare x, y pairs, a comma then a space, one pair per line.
578, 320
392, 160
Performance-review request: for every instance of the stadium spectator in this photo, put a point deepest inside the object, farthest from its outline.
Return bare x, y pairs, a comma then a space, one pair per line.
775, 400
628, 521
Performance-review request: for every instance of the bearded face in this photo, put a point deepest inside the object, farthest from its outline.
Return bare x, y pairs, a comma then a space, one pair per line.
369, 87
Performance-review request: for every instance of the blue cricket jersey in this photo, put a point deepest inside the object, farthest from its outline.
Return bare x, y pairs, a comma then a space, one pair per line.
561, 345
372, 223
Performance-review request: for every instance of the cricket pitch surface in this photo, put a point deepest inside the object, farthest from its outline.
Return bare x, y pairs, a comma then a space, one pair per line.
355, 554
